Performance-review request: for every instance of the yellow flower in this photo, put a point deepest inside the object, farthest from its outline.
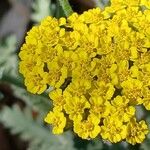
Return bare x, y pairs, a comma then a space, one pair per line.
136, 131
103, 90
89, 43
143, 59
144, 75
132, 14
28, 50
132, 3
113, 129
123, 110
92, 16
98, 64
47, 54
100, 107
75, 107
57, 98
56, 75
132, 90
58, 121
35, 82
134, 72
88, 128
71, 40
29, 65
139, 43
50, 31
105, 45
146, 97
83, 69
73, 18
122, 72
115, 6
78, 88
122, 53
62, 21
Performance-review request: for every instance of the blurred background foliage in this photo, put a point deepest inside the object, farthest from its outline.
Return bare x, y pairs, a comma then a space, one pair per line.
21, 113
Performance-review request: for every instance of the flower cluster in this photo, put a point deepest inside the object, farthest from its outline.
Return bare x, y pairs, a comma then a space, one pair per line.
98, 64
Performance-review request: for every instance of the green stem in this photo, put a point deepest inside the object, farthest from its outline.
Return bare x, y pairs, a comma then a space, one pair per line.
66, 7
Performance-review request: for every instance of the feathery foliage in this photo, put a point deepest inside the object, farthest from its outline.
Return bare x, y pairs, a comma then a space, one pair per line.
40, 138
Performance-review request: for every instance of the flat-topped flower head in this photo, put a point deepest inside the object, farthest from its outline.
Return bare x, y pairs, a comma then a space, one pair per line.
98, 65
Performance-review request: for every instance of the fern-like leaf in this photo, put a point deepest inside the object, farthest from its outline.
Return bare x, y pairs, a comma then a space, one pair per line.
39, 137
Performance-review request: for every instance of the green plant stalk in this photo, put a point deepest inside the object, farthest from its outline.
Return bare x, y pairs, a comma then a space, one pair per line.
66, 7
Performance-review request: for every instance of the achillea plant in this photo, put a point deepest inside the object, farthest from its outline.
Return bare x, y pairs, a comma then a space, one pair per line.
98, 64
